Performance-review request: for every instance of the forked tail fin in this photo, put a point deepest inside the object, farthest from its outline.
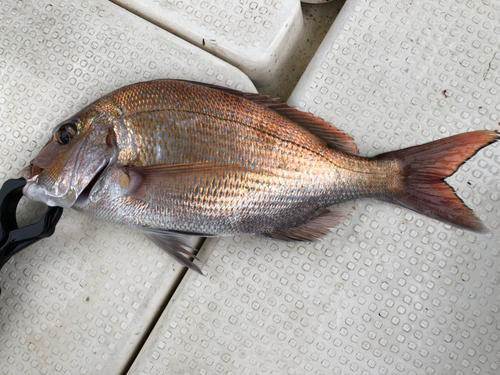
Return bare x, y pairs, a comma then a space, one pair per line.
424, 169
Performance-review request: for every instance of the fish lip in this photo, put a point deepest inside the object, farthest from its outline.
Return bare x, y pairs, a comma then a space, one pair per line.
31, 172
31, 178
32, 191
26, 188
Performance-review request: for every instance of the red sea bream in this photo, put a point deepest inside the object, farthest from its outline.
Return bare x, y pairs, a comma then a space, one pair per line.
175, 158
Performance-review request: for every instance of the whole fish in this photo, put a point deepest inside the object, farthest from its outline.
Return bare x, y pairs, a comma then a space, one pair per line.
175, 158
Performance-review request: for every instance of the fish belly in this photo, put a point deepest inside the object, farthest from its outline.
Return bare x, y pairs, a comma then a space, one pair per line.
231, 198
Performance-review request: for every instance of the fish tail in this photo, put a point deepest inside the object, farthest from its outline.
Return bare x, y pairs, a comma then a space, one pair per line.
420, 175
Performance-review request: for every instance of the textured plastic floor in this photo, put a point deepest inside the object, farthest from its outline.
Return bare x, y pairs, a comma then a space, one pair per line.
83, 300
255, 36
388, 292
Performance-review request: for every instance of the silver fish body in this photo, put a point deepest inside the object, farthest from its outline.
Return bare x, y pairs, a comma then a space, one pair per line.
175, 157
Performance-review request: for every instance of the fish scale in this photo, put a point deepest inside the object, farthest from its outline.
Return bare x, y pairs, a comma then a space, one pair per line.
180, 98
204, 126
172, 157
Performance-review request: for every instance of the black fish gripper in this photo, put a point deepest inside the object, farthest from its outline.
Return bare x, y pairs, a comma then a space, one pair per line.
12, 238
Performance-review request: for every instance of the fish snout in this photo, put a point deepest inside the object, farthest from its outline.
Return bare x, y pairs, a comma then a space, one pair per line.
31, 190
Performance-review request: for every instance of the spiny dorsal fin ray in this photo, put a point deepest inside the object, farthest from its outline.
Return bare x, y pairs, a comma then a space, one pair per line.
335, 138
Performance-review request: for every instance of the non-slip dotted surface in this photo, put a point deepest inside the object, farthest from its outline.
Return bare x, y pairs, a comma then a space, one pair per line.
389, 291
256, 36
81, 301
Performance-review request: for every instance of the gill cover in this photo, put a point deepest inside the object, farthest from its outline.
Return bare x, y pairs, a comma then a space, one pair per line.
78, 152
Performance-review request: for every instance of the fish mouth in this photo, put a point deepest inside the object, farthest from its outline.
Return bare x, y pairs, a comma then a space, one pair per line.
86, 192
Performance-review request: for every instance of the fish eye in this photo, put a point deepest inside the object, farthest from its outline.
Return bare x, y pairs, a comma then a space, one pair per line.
65, 133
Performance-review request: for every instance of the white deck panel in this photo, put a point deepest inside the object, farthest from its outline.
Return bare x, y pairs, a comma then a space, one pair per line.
389, 291
257, 36
82, 301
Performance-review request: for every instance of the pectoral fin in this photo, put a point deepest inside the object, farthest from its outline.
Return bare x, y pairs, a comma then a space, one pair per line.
175, 244
174, 177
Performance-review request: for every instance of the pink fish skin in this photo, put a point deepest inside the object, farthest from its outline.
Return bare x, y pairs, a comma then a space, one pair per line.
175, 158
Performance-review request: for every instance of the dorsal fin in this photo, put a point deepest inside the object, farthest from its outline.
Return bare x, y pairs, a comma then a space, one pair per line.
335, 138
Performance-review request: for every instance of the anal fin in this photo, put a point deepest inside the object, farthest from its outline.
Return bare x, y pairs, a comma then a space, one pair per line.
319, 225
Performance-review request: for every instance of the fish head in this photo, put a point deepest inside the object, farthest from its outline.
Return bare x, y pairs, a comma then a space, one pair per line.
71, 163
